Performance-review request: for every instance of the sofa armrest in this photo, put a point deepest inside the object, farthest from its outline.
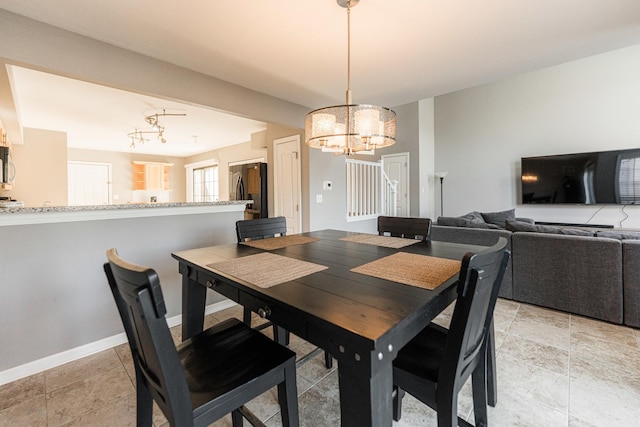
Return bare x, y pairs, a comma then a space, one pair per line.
631, 282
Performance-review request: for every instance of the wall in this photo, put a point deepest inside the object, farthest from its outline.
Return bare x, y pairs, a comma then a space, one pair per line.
56, 297
121, 173
41, 168
481, 133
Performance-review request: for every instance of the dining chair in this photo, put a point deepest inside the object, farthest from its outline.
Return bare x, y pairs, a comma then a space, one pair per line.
435, 364
264, 228
258, 229
407, 227
212, 374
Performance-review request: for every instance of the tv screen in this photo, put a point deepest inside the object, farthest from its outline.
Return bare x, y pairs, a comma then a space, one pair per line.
603, 177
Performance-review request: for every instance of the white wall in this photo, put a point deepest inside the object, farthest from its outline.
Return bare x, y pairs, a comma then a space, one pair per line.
481, 133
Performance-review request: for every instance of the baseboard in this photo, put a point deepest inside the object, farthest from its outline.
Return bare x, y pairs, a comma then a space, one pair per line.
67, 356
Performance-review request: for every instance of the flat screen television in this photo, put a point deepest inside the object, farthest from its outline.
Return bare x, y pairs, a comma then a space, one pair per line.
603, 177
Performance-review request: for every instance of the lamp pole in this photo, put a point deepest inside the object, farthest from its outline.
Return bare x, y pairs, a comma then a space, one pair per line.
441, 175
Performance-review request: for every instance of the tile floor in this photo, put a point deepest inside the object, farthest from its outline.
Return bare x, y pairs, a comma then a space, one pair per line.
554, 369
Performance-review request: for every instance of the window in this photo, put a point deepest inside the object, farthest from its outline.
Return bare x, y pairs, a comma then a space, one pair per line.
202, 182
628, 180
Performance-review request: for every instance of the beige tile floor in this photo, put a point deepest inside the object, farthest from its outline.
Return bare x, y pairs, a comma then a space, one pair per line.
554, 369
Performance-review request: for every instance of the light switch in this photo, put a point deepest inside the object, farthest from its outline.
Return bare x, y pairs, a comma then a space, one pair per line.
318, 198
327, 185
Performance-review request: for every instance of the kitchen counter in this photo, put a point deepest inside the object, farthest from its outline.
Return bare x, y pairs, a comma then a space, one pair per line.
52, 214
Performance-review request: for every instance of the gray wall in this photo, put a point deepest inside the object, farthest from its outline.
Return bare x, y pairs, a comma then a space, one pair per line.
54, 293
481, 133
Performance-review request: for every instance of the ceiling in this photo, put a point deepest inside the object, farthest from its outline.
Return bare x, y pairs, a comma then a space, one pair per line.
401, 51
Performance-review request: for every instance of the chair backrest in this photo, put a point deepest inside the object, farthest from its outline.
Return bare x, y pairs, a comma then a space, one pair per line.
262, 228
141, 305
480, 279
407, 227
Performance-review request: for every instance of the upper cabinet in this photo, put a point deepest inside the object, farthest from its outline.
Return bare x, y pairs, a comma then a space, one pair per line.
151, 176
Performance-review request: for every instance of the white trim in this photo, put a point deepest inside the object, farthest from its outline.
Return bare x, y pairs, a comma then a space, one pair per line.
24, 216
246, 162
276, 184
67, 356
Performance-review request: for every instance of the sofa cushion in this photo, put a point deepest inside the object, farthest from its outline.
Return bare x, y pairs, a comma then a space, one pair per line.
499, 218
549, 229
619, 235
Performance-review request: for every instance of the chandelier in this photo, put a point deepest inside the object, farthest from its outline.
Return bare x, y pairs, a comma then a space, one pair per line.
157, 128
350, 128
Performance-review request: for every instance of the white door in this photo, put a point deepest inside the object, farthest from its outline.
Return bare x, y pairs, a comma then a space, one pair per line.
286, 185
396, 166
88, 183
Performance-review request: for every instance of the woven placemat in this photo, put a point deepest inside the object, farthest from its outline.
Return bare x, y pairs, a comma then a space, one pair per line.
274, 243
386, 241
411, 269
266, 269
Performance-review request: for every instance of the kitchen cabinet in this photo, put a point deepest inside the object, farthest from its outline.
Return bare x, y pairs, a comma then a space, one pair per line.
150, 176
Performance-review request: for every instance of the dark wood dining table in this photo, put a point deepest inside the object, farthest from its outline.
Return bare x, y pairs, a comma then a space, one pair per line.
362, 321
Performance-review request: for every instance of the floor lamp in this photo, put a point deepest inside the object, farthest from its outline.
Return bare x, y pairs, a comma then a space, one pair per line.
441, 175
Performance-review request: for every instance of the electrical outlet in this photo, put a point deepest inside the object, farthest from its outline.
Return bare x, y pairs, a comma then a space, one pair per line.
318, 198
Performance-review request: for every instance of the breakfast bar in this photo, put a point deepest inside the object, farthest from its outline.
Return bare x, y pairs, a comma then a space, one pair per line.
56, 305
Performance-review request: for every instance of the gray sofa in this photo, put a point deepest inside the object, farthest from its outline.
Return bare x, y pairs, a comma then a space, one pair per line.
590, 272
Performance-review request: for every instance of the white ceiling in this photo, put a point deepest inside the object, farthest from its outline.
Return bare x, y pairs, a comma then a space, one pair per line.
100, 118
401, 51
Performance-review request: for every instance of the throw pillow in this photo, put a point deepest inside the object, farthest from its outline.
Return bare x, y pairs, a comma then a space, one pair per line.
499, 218
451, 221
473, 216
526, 227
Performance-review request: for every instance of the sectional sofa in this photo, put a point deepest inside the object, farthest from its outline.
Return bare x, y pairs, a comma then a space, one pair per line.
589, 272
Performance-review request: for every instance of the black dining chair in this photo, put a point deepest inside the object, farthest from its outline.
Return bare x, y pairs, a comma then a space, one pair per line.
435, 364
264, 228
406, 227
207, 376
258, 229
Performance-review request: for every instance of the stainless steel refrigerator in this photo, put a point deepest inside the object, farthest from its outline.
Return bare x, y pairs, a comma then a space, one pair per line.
249, 182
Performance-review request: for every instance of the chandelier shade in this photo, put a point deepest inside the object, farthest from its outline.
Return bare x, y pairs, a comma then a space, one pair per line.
350, 128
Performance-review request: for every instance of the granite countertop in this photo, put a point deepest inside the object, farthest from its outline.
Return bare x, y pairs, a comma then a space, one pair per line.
118, 207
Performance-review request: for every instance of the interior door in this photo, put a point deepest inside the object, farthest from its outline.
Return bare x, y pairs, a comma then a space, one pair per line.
89, 183
287, 196
396, 166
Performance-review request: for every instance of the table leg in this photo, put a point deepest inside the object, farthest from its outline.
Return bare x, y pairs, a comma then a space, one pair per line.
365, 400
194, 296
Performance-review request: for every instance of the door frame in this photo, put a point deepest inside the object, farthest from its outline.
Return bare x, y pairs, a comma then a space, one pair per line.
407, 158
276, 183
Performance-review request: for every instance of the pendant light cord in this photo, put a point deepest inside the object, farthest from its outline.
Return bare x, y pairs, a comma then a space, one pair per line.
348, 53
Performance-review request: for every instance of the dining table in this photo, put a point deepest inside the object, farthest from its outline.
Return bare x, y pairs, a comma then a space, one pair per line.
360, 297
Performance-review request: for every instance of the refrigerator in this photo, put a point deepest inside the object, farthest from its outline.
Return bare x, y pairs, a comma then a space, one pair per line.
249, 182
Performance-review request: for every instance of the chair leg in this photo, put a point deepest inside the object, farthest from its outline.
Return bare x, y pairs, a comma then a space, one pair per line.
236, 419
479, 387
492, 378
144, 401
288, 396
447, 403
397, 403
